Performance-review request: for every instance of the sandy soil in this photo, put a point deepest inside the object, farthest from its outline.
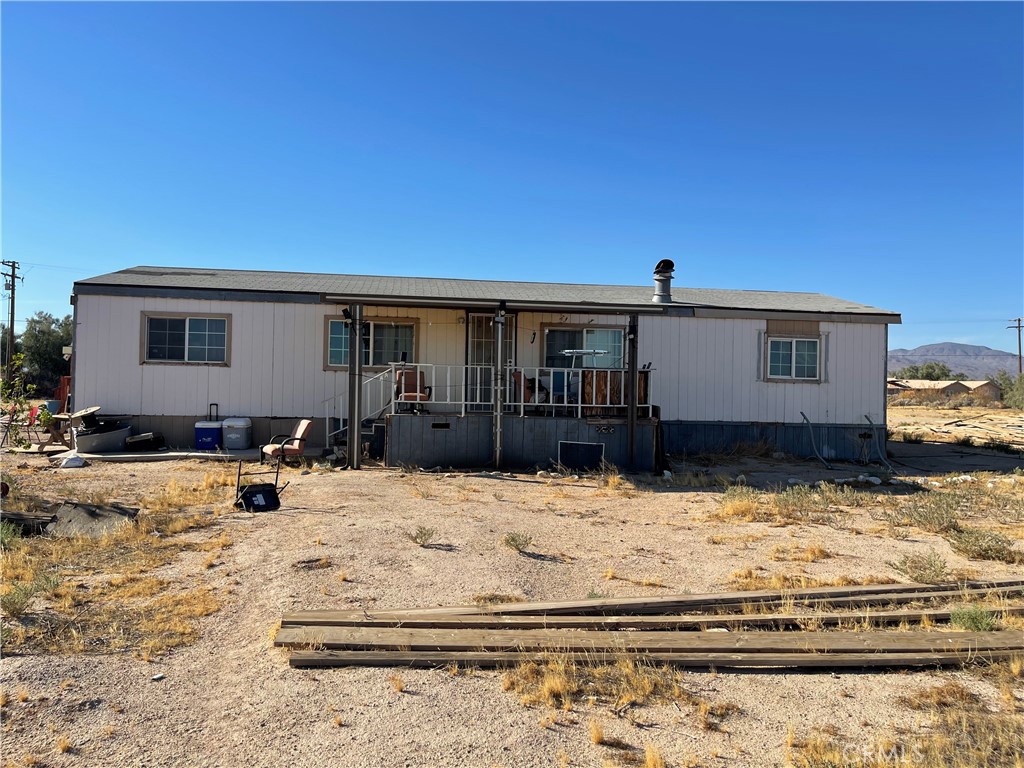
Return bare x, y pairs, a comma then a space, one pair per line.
947, 425
230, 699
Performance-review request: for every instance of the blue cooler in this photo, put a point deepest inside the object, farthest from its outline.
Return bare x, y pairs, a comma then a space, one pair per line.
208, 435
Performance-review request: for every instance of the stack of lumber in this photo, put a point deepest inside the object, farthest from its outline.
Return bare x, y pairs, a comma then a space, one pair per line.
735, 629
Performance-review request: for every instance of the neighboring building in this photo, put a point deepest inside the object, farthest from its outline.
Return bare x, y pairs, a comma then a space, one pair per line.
944, 388
626, 370
988, 390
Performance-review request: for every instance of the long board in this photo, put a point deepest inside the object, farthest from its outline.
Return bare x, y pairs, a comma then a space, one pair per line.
832, 661
676, 622
634, 641
644, 606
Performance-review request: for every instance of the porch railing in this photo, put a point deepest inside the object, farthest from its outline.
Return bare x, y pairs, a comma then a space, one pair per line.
575, 392
528, 391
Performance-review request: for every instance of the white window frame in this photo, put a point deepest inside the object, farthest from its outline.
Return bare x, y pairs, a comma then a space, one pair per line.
792, 340
371, 324
584, 329
188, 317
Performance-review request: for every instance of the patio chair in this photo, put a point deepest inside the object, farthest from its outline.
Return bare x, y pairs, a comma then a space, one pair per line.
412, 390
285, 447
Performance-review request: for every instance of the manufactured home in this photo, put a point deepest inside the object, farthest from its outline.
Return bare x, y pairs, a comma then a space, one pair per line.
448, 372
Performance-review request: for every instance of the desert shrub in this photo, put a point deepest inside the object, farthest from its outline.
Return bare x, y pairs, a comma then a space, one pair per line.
933, 512
520, 542
983, 544
17, 595
911, 437
10, 535
930, 568
422, 535
973, 618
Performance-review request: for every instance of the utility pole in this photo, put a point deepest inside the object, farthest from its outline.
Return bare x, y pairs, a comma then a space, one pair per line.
11, 279
1017, 324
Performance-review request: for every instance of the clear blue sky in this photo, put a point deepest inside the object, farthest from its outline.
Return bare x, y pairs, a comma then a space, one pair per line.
872, 151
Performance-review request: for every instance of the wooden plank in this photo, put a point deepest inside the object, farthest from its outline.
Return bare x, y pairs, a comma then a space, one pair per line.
329, 658
568, 640
776, 620
866, 595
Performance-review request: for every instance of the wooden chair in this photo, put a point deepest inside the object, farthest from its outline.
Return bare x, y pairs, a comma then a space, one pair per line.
284, 447
412, 389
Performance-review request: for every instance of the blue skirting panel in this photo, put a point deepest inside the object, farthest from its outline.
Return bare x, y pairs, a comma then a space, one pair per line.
424, 440
850, 442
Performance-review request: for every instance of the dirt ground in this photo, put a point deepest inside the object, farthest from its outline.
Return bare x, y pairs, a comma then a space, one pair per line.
964, 424
230, 698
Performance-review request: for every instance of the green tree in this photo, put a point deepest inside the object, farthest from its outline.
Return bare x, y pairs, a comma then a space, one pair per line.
1012, 388
931, 371
43, 343
3, 347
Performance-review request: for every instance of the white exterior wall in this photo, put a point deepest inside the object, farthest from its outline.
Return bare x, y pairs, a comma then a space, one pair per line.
706, 369
277, 357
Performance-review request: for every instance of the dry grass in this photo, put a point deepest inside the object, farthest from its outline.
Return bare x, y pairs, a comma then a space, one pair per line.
795, 505
397, 683
610, 574
948, 695
810, 553
596, 731
747, 579
961, 733
560, 683
745, 539
496, 598
64, 744
652, 757
70, 610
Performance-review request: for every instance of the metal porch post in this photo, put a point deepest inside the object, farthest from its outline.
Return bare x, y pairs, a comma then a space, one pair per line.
632, 390
355, 387
499, 379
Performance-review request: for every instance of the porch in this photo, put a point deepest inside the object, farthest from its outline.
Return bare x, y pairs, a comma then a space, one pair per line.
428, 414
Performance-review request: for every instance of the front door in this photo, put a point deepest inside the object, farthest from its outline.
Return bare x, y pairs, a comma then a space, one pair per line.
482, 358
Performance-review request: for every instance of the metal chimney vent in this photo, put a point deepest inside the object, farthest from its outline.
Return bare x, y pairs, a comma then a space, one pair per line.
663, 282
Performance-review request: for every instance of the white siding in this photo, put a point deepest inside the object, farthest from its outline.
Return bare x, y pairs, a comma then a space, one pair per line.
706, 370
277, 365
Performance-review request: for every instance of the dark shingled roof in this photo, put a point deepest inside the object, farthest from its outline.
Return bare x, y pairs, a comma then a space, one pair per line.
439, 289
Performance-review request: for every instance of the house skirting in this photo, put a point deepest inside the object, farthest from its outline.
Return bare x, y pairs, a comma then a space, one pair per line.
850, 442
468, 441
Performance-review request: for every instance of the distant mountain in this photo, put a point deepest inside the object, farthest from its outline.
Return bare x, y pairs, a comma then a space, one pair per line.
974, 361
